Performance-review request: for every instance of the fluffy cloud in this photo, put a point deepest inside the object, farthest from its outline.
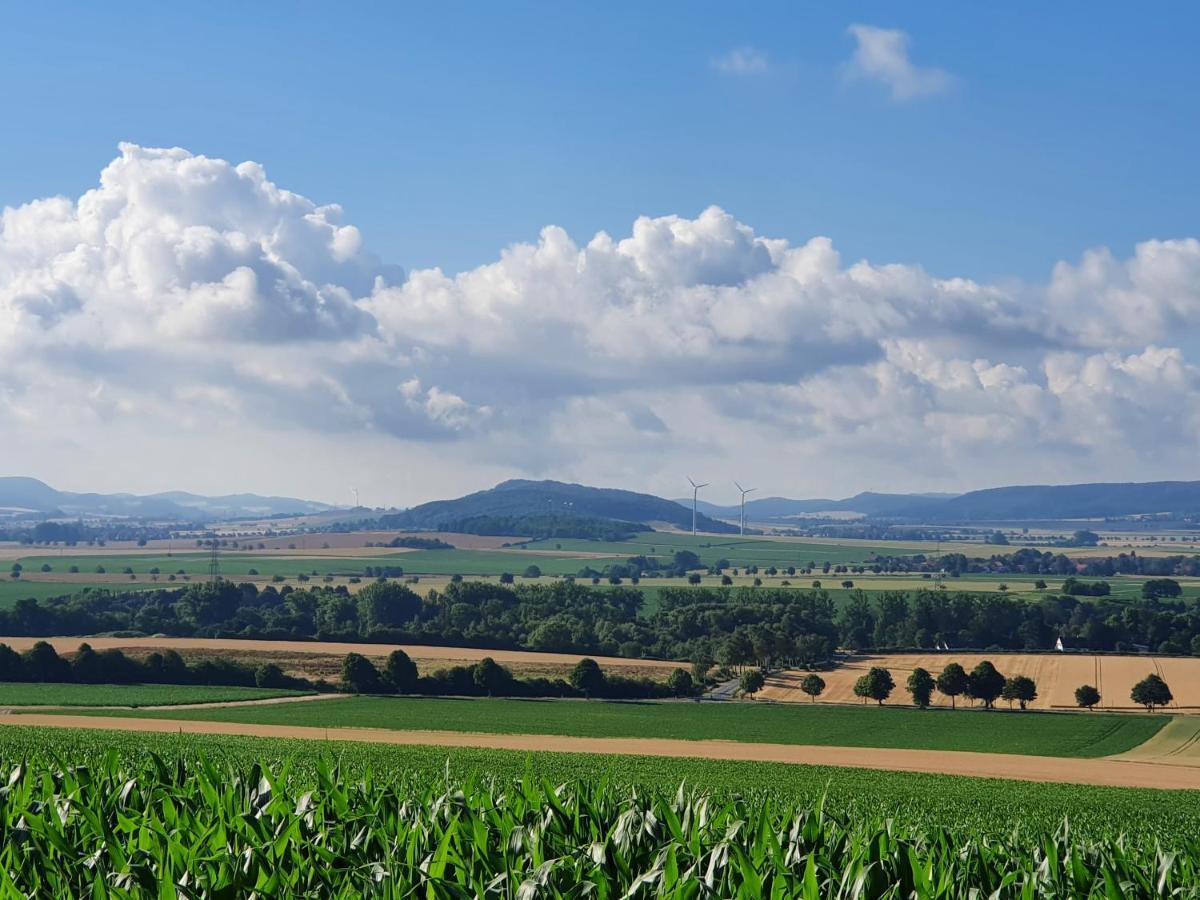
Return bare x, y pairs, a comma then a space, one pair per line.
192, 306
881, 55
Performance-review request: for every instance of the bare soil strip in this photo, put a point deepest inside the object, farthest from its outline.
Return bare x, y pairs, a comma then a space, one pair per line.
1109, 772
416, 651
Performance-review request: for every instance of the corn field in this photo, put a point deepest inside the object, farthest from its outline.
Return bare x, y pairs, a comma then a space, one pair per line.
206, 828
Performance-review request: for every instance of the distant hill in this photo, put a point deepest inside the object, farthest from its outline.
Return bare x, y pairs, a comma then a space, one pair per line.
774, 509
519, 497
1069, 501
31, 494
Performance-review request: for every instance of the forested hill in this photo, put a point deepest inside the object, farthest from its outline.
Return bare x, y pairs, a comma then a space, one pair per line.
1068, 501
520, 498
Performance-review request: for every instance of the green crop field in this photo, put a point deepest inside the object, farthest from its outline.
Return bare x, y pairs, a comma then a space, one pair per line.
986, 805
1042, 734
87, 814
26, 694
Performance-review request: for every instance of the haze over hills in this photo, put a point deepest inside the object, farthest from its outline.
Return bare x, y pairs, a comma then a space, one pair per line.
1069, 501
522, 498
1001, 504
32, 495
770, 509
526, 498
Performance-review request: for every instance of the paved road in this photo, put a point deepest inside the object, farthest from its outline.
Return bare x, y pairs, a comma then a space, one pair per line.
724, 691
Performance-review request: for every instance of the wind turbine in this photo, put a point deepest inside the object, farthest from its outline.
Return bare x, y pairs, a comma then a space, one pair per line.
356, 503
695, 491
744, 491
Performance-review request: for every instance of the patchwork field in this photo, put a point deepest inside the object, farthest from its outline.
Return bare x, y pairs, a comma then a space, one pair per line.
338, 558
1057, 676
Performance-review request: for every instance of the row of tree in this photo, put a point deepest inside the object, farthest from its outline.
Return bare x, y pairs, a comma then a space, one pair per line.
487, 678
42, 663
736, 627
984, 683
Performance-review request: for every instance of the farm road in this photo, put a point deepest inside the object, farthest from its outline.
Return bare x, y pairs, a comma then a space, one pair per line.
1108, 772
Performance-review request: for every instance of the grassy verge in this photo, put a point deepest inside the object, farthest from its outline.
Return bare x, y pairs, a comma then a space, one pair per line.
22, 694
1040, 734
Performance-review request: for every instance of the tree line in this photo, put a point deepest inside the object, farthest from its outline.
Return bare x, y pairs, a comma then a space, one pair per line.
42, 663
487, 678
984, 683
736, 627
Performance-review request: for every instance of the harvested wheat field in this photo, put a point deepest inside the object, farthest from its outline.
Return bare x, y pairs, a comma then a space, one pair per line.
1057, 676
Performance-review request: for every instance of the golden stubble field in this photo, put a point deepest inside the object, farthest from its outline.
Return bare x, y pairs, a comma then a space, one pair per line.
1057, 676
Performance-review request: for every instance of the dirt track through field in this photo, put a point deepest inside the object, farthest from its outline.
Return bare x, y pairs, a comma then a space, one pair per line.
416, 651
1057, 676
1108, 772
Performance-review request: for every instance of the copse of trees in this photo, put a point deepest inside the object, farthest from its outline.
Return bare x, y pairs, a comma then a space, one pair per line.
1160, 588
1075, 588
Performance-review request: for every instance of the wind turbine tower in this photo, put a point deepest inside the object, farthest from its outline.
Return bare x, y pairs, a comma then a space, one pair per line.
745, 491
695, 492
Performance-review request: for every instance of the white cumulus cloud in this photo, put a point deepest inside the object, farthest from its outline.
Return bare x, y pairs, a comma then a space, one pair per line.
188, 310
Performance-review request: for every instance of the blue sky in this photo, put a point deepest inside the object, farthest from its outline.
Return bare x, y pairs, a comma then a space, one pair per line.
450, 130
926, 247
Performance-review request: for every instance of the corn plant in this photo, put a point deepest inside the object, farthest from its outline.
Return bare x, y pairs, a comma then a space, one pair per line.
203, 827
